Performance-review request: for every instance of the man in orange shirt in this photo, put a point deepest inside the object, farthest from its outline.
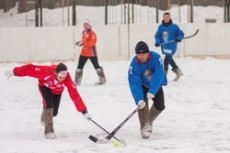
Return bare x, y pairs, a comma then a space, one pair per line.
88, 51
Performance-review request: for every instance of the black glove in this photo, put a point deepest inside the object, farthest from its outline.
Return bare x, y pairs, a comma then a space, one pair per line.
177, 40
157, 45
86, 115
79, 43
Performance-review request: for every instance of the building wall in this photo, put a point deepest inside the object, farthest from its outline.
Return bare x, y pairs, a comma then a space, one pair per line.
115, 42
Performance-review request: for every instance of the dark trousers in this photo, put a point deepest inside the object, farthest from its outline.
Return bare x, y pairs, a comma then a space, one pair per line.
159, 101
82, 60
168, 60
49, 99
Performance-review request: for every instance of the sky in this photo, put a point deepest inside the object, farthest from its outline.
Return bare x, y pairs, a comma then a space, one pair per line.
195, 119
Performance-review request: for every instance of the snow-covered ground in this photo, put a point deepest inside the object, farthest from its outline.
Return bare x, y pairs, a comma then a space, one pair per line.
196, 118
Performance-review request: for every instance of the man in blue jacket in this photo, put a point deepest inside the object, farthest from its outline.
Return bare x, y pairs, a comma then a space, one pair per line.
146, 78
168, 31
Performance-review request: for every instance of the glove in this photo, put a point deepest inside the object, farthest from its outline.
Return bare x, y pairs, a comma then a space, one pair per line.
150, 95
177, 40
141, 104
86, 115
157, 45
79, 43
9, 74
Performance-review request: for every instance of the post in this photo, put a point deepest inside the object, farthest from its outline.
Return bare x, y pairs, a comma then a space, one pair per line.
191, 11
179, 11
132, 12
36, 14
169, 5
68, 12
73, 12
41, 15
124, 13
157, 11
128, 29
190, 3
106, 12
228, 10
225, 10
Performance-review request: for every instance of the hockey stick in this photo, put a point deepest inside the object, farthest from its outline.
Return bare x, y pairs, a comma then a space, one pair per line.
105, 130
187, 37
108, 137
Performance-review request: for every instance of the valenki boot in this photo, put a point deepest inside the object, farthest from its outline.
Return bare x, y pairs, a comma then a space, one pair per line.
146, 131
101, 75
145, 127
78, 76
48, 117
153, 114
178, 73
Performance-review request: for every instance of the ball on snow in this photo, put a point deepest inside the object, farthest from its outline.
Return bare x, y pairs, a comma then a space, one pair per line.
116, 143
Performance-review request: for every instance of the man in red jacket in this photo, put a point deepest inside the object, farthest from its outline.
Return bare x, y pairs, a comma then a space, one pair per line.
51, 82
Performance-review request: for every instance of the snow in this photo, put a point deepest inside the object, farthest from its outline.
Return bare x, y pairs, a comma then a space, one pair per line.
196, 118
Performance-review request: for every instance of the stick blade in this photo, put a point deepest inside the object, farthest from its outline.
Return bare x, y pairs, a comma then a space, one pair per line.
96, 140
192, 35
104, 141
197, 30
92, 138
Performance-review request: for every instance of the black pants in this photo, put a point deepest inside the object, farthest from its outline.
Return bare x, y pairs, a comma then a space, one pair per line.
159, 101
49, 99
83, 59
168, 60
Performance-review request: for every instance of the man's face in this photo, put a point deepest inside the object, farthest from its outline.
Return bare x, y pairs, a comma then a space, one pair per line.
61, 76
166, 18
143, 57
60, 79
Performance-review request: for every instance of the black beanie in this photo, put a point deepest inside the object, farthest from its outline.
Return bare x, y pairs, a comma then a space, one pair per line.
61, 67
141, 47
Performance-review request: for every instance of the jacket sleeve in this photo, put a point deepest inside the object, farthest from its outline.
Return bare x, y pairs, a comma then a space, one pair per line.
180, 34
158, 36
31, 71
74, 95
135, 83
158, 76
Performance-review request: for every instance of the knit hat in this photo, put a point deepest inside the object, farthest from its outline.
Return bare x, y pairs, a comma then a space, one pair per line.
61, 69
87, 21
141, 47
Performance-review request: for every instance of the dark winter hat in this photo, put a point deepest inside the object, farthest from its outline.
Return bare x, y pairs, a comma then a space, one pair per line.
61, 67
141, 47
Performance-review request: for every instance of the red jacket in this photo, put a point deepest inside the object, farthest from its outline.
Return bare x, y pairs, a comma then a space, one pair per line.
46, 77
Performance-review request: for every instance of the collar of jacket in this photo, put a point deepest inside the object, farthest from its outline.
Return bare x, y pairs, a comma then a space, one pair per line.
168, 23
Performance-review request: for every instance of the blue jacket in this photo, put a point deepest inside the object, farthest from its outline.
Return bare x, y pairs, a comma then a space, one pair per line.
149, 74
168, 32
